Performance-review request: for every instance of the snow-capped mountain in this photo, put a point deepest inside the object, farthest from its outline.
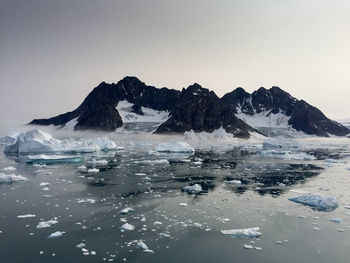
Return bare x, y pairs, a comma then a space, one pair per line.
130, 102
277, 108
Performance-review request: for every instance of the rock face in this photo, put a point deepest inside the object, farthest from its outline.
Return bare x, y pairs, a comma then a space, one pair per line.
299, 114
199, 109
195, 108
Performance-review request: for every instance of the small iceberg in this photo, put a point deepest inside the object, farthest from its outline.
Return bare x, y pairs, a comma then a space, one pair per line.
26, 216
127, 227
317, 201
52, 159
141, 245
10, 178
126, 210
56, 234
193, 189
174, 147
243, 233
46, 224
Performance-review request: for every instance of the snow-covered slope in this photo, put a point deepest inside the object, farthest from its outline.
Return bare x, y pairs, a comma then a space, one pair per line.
149, 115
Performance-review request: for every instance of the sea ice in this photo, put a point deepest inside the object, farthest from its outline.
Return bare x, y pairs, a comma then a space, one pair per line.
317, 201
243, 233
10, 178
234, 182
9, 169
282, 144
26, 216
126, 210
56, 234
45, 224
141, 245
127, 227
193, 189
174, 147
51, 159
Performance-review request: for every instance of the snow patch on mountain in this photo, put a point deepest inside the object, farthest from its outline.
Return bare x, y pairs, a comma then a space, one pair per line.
149, 115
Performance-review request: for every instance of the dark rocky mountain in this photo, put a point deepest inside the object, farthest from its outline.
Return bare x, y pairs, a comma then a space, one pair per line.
301, 115
98, 110
199, 109
194, 108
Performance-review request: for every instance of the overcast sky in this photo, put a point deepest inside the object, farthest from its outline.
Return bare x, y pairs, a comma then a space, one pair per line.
52, 53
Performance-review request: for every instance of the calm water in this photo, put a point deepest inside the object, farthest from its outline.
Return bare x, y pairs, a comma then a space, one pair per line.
87, 208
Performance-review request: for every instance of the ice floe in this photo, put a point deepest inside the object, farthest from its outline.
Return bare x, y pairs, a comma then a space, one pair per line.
26, 216
10, 178
127, 227
317, 201
46, 224
141, 245
126, 210
193, 189
243, 233
174, 147
56, 234
52, 159
9, 169
37, 141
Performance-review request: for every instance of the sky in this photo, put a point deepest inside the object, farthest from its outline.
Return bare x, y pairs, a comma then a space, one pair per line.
53, 53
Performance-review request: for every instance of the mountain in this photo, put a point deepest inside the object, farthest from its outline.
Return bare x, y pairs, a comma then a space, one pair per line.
98, 110
199, 109
132, 104
277, 108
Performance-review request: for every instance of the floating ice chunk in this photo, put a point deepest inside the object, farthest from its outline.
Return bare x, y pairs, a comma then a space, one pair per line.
10, 178
44, 184
193, 189
82, 169
127, 227
9, 169
126, 210
234, 182
175, 147
97, 163
157, 223
317, 201
335, 220
26, 216
46, 224
280, 144
247, 246
183, 204
243, 233
161, 161
81, 245
329, 160
56, 234
93, 170
37, 141
141, 245
87, 201
52, 159
287, 155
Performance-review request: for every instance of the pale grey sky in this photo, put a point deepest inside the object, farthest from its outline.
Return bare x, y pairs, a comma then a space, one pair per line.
52, 53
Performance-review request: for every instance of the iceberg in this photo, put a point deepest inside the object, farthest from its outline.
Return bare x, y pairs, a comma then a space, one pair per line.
10, 178
243, 233
37, 141
7, 140
317, 201
174, 147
